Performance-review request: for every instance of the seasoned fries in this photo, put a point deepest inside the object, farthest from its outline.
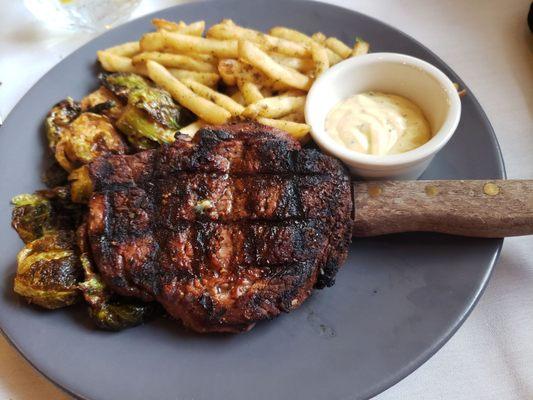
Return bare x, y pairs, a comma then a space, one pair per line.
174, 60
253, 55
338, 47
274, 107
193, 29
181, 43
320, 59
361, 47
115, 63
295, 129
205, 109
292, 34
266, 42
250, 92
222, 100
205, 78
233, 72
192, 128
128, 49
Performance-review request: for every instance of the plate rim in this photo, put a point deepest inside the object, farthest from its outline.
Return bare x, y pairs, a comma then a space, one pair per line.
417, 362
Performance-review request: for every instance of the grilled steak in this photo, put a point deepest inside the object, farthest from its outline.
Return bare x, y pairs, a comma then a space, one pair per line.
231, 228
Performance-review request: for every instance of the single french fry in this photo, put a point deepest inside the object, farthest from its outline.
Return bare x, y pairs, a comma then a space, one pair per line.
338, 47
208, 58
251, 54
360, 48
205, 109
128, 49
193, 29
152, 41
222, 100
250, 91
274, 107
319, 37
193, 44
266, 42
297, 116
297, 36
232, 70
295, 129
299, 64
114, 63
205, 78
176, 42
174, 60
320, 58
192, 128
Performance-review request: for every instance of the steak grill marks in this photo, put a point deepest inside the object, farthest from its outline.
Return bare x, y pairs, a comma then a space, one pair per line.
229, 229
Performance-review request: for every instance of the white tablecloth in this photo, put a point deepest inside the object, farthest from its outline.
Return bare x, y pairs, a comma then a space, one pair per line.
488, 44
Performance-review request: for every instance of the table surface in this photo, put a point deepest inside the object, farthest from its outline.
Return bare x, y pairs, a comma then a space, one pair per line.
488, 44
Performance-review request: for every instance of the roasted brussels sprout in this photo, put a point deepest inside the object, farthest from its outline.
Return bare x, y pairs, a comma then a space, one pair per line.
102, 101
122, 84
44, 211
76, 137
87, 137
31, 217
49, 270
59, 117
81, 185
107, 311
150, 116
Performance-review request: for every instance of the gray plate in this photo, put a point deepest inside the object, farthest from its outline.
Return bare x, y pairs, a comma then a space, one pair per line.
396, 302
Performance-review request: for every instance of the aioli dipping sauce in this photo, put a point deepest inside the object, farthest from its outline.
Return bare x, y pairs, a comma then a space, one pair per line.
378, 123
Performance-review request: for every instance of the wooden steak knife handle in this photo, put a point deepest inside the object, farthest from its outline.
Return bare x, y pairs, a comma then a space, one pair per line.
481, 208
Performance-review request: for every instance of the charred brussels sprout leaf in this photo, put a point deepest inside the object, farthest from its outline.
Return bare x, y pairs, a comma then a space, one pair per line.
49, 270
150, 116
107, 311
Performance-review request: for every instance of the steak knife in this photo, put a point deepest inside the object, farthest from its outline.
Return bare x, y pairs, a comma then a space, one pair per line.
480, 208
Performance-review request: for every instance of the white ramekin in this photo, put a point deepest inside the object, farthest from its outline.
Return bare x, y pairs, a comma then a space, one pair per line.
399, 74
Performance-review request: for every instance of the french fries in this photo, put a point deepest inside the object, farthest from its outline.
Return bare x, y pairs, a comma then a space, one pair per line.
360, 48
128, 49
299, 64
266, 42
179, 61
263, 76
251, 54
205, 78
320, 59
295, 129
115, 63
222, 100
192, 128
193, 29
205, 109
274, 107
338, 47
250, 92
181, 43
294, 35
